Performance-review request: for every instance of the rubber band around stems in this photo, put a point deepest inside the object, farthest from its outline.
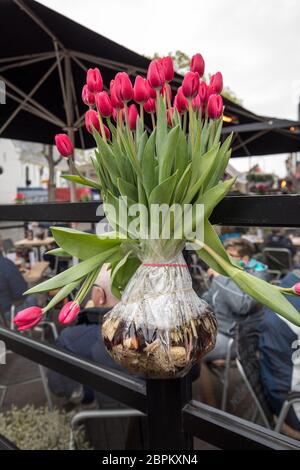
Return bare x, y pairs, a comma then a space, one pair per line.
163, 265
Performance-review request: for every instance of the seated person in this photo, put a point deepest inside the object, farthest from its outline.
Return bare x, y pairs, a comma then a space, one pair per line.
12, 286
279, 364
229, 232
278, 239
227, 300
84, 340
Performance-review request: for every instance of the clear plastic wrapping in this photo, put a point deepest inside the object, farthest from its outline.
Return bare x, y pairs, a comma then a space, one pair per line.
161, 327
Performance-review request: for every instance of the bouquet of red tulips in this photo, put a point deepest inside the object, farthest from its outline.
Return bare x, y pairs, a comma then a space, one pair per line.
159, 164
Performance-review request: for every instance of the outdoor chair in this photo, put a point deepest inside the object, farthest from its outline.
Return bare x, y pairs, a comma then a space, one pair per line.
115, 414
42, 374
278, 260
25, 380
248, 365
221, 368
5, 444
8, 246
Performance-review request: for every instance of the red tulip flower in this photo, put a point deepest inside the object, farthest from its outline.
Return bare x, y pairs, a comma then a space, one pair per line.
94, 80
197, 64
296, 288
190, 84
150, 106
151, 91
132, 116
92, 120
123, 87
167, 63
68, 313
196, 103
156, 74
215, 106
210, 90
64, 145
203, 91
107, 132
116, 103
28, 318
87, 97
141, 92
181, 103
216, 82
103, 104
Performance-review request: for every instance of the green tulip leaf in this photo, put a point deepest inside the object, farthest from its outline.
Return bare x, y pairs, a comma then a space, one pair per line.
62, 294
84, 245
262, 291
75, 273
82, 180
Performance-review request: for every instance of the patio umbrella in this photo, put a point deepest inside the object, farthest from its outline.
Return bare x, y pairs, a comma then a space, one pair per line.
43, 66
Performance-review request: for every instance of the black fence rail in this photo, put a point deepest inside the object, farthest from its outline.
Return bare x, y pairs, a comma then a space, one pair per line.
173, 417
257, 211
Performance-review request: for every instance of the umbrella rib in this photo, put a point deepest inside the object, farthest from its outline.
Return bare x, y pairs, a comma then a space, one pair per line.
248, 153
28, 61
37, 20
84, 67
80, 121
77, 109
24, 56
31, 109
31, 100
287, 133
78, 62
114, 65
60, 73
250, 139
28, 96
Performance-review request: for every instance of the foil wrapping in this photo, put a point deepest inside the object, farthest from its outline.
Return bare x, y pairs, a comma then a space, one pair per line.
161, 327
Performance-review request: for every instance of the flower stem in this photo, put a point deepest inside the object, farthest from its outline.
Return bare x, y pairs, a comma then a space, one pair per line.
153, 121
87, 284
142, 114
102, 127
128, 128
169, 105
184, 122
191, 124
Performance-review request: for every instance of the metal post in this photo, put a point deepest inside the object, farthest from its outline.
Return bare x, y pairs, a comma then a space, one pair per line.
70, 114
165, 401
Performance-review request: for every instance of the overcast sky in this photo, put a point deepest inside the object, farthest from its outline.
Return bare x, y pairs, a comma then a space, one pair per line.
255, 43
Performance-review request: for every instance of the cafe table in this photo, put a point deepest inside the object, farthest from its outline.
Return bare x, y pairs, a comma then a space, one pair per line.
35, 273
295, 241
34, 243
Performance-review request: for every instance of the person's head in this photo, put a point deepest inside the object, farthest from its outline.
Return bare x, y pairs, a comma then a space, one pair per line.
279, 232
239, 249
101, 293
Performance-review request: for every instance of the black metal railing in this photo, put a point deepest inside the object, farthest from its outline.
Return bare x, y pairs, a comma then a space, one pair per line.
173, 417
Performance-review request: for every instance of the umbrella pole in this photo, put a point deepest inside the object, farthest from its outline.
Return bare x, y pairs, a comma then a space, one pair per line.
70, 119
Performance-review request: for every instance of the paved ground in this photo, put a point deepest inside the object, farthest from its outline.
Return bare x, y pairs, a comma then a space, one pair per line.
108, 433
